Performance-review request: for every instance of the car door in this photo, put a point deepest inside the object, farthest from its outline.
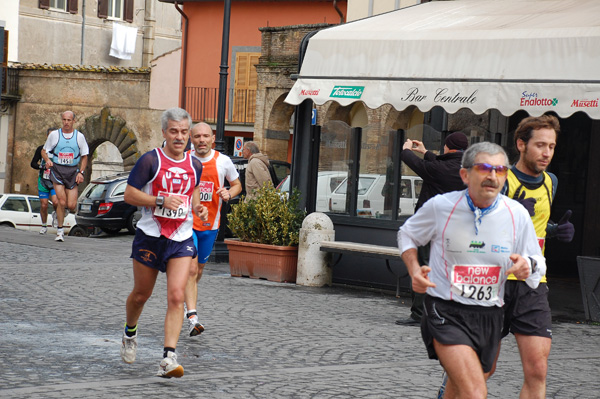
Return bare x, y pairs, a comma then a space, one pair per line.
36, 217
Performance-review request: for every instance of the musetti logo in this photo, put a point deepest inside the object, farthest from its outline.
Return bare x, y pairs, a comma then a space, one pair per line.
347, 91
585, 103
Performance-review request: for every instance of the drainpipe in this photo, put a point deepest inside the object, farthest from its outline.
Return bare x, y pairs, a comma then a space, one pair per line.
338, 11
184, 58
82, 32
219, 141
148, 31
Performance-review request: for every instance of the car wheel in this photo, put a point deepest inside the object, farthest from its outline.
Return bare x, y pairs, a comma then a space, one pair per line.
78, 231
110, 231
132, 221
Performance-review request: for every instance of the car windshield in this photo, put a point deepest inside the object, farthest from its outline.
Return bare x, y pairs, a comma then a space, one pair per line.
363, 185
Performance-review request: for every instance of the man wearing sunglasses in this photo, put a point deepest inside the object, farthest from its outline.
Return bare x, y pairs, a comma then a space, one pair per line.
478, 237
527, 311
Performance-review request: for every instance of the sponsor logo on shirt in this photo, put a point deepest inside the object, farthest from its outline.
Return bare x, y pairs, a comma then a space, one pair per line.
498, 249
476, 247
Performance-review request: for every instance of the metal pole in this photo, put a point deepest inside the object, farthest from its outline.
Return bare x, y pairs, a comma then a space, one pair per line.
82, 33
219, 142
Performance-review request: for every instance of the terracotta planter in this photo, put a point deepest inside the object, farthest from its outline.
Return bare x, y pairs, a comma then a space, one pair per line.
271, 262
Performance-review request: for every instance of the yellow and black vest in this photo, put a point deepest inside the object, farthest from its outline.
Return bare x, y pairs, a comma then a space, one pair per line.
543, 195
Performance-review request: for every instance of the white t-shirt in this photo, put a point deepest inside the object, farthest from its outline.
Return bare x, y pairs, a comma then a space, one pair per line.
469, 267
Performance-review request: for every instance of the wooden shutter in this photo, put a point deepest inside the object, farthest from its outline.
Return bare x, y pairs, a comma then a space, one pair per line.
45, 4
103, 8
128, 11
4, 64
72, 6
245, 84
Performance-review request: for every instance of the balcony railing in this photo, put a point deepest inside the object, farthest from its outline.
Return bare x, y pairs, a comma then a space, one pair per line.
201, 103
10, 82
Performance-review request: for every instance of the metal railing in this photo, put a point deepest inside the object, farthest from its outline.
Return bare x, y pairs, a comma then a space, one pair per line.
10, 81
201, 103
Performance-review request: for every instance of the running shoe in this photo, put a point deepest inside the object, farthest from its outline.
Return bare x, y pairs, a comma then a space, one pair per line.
60, 236
54, 220
442, 389
196, 328
169, 367
43, 230
129, 348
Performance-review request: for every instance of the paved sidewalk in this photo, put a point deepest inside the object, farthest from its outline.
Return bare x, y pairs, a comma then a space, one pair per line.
62, 309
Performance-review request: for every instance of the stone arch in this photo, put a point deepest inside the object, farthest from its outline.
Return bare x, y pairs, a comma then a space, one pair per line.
104, 127
277, 128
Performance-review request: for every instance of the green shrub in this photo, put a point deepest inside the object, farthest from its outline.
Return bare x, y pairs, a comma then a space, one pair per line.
269, 218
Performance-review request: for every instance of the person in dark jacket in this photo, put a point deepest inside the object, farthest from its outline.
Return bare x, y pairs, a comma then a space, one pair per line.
440, 174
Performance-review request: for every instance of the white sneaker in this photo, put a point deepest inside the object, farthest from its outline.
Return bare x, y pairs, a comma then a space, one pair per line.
195, 327
169, 367
54, 220
129, 348
60, 236
43, 230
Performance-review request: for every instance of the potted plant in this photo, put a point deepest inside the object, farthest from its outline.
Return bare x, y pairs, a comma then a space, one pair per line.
267, 228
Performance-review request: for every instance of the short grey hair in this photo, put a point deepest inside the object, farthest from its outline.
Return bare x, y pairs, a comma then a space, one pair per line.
174, 114
487, 147
252, 147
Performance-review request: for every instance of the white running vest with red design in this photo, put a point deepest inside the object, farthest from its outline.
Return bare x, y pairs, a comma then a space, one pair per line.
173, 178
210, 182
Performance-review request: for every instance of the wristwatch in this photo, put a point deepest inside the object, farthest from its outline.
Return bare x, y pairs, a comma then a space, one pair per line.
160, 200
534, 267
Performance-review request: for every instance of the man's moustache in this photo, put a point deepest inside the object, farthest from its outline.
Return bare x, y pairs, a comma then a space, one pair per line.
489, 183
178, 142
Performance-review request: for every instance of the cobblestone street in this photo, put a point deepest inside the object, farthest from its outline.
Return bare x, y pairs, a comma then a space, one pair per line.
62, 309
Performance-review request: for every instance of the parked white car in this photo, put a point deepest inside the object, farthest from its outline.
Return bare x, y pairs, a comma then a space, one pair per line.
370, 195
327, 182
23, 212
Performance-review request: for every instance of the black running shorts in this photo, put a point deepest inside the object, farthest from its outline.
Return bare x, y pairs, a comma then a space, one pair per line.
526, 310
452, 323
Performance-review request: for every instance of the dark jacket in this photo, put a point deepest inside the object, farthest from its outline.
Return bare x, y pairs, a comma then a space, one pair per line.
440, 173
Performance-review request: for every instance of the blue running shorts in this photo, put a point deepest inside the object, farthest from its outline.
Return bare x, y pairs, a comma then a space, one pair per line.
204, 242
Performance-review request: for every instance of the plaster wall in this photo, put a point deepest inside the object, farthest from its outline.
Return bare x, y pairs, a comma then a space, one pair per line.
106, 96
54, 37
164, 80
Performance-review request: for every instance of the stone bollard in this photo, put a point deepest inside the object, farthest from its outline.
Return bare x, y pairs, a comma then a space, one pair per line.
312, 269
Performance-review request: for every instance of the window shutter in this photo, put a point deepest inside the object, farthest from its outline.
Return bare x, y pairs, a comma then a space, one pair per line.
128, 11
5, 63
73, 6
102, 8
45, 4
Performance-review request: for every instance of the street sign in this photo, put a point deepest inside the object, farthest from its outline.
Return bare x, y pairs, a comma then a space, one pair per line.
239, 145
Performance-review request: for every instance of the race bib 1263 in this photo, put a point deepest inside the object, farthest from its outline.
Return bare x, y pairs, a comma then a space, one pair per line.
477, 282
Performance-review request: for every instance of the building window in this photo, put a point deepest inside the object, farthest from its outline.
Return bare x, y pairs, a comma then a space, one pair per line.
59, 5
116, 9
